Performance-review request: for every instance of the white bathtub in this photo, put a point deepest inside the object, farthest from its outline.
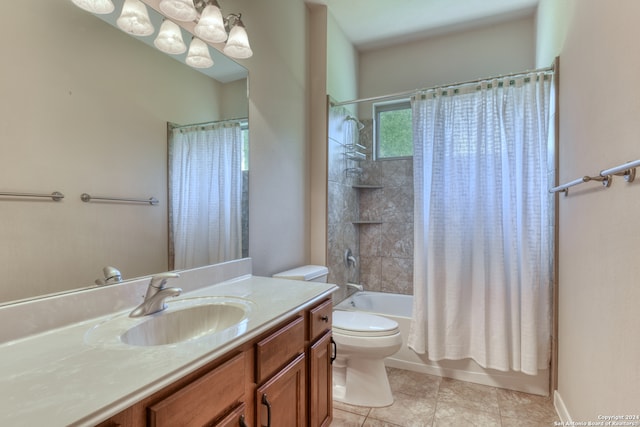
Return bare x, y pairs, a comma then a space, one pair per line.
399, 308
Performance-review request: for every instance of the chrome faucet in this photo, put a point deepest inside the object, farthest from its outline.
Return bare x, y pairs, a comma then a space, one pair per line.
111, 275
156, 294
349, 259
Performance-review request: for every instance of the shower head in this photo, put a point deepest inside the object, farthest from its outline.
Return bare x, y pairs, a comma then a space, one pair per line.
358, 122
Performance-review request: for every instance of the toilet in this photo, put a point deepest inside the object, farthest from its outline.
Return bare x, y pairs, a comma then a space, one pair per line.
363, 340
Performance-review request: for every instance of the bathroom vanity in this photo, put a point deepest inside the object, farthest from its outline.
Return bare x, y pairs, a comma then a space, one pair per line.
271, 365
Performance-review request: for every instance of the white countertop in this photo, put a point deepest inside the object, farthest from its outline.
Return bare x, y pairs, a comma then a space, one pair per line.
59, 378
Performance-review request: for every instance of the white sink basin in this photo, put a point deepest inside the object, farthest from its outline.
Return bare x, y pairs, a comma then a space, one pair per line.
184, 320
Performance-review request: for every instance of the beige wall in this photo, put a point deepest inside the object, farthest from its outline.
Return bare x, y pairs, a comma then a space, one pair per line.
342, 64
450, 58
84, 109
317, 58
278, 113
599, 323
553, 19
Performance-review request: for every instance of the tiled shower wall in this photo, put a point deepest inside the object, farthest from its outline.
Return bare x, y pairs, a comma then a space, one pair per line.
384, 250
342, 201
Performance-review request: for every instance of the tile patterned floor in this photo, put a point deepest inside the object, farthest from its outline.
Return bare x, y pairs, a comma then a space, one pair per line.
423, 400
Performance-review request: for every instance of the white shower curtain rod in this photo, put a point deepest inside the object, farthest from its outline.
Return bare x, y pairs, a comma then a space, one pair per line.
415, 91
215, 122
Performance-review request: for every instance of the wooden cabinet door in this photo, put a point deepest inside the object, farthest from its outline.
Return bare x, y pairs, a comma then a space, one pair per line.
235, 419
320, 382
281, 401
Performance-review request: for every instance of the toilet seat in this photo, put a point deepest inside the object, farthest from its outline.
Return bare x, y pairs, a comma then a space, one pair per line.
359, 324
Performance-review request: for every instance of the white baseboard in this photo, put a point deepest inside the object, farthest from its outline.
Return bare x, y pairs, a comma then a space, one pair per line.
561, 409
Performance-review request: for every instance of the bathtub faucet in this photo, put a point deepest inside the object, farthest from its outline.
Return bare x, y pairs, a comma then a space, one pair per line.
355, 286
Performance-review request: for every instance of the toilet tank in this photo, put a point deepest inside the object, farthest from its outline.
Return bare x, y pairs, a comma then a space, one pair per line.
308, 273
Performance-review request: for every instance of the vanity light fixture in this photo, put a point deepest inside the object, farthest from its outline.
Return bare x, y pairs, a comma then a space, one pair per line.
100, 7
210, 24
181, 10
210, 27
199, 56
169, 38
134, 19
238, 43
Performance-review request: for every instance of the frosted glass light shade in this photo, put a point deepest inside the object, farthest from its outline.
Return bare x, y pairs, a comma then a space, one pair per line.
100, 7
238, 44
199, 56
181, 10
134, 19
169, 39
211, 26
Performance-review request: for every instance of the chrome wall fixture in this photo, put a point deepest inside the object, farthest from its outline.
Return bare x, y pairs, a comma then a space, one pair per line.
56, 196
358, 122
88, 198
210, 26
111, 275
626, 170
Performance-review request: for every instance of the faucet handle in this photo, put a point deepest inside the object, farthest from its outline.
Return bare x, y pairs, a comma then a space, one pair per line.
162, 278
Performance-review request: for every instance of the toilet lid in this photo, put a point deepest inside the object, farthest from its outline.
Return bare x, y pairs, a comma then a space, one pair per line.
363, 324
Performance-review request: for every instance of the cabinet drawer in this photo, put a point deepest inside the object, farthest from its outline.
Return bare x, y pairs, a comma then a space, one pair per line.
279, 348
320, 319
203, 400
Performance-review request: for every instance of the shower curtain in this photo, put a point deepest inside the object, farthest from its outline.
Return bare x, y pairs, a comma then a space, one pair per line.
205, 192
483, 223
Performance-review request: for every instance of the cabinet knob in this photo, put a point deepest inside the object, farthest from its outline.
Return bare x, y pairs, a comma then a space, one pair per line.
325, 318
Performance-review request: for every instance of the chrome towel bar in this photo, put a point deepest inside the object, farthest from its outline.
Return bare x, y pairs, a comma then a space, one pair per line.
56, 196
627, 170
87, 198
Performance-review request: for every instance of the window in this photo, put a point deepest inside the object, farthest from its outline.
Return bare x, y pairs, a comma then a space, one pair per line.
394, 132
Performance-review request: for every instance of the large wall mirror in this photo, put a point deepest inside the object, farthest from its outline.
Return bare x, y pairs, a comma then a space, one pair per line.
84, 108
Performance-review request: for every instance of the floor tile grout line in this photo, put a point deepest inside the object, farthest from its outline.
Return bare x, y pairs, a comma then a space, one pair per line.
499, 409
437, 398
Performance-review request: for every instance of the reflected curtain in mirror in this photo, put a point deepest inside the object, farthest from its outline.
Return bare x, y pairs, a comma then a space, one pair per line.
205, 194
